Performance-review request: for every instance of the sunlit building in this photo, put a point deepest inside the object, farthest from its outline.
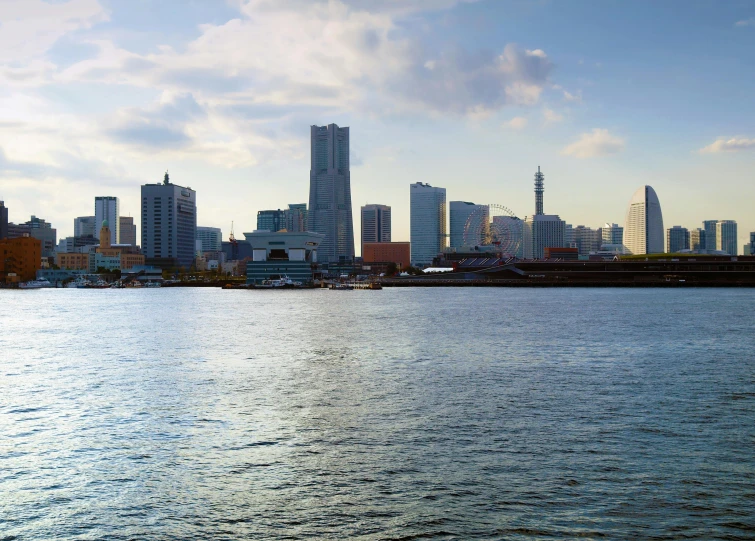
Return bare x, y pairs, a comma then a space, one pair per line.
677, 239
643, 230
427, 222
726, 236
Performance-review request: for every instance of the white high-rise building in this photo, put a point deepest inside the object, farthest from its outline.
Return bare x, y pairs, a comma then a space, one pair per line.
460, 213
542, 231
210, 238
428, 222
643, 230
726, 236
108, 208
376, 224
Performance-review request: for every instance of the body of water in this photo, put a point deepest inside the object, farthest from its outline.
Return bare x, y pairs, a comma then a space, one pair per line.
397, 414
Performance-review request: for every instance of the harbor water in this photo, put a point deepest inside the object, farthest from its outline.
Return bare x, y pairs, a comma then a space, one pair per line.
427, 413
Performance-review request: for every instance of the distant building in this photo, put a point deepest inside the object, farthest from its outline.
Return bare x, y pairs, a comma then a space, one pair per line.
84, 226
387, 252
237, 250
107, 208
46, 233
127, 230
710, 234
109, 256
478, 216
18, 230
296, 217
169, 224
271, 220
587, 239
211, 238
21, 256
568, 254
3, 221
427, 222
330, 192
751, 246
612, 234
569, 240
726, 236
376, 224
542, 231
677, 239
72, 261
643, 230
282, 253
697, 240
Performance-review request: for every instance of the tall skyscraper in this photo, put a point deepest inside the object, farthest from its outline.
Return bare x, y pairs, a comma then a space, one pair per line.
460, 213
643, 230
697, 239
726, 236
296, 217
84, 226
751, 246
107, 208
127, 230
169, 224
541, 231
211, 238
3, 220
271, 220
677, 239
710, 234
330, 192
376, 224
427, 222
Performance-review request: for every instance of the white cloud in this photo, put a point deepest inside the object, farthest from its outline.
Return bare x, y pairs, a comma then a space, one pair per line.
599, 142
516, 123
31, 27
552, 116
733, 144
746, 22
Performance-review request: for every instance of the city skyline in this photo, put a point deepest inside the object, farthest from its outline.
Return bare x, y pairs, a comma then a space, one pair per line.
104, 105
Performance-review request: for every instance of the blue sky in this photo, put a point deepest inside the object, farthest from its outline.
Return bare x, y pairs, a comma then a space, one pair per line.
99, 97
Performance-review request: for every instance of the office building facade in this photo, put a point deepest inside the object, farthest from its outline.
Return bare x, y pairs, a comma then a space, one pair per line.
330, 211
542, 231
387, 252
211, 238
46, 233
710, 234
3, 221
376, 224
587, 239
169, 224
612, 234
271, 220
677, 239
643, 229
84, 226
296, 217
697, 239
127, 230
427, 206
477, 217
107, 208
750, 248
726, 236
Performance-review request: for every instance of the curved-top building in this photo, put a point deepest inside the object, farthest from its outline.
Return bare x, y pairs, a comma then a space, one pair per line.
643, 230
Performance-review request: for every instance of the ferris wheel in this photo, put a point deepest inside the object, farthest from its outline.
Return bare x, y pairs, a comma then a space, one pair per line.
494, 225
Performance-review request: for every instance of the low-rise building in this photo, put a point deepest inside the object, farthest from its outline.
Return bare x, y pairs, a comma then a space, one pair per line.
387, 252
277, 254
72, 261
21, 257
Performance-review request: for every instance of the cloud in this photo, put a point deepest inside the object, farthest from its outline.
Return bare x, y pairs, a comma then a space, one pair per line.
31, 27
746, 22
551, 116
728, 145
516, 123
596, 143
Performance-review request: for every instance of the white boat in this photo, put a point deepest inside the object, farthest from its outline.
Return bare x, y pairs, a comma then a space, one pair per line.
280, 282
35, 284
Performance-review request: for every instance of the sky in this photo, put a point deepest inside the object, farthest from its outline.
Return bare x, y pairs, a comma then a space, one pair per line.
98, 97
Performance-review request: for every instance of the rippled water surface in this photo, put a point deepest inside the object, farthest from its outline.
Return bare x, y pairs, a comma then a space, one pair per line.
394, 414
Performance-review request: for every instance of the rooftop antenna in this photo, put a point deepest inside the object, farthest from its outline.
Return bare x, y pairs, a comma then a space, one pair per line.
232, 238
166, 181
539, 178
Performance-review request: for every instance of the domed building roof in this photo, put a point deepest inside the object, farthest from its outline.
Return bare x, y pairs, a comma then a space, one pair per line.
105, 224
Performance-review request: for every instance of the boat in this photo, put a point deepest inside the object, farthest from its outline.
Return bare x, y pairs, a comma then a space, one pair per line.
282, 282
35, 284
152, 284
344, 287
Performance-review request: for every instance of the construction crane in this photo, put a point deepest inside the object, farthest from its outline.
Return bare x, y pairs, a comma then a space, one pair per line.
234, 244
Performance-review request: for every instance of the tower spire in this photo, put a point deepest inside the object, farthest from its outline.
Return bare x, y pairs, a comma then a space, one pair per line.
539, 178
